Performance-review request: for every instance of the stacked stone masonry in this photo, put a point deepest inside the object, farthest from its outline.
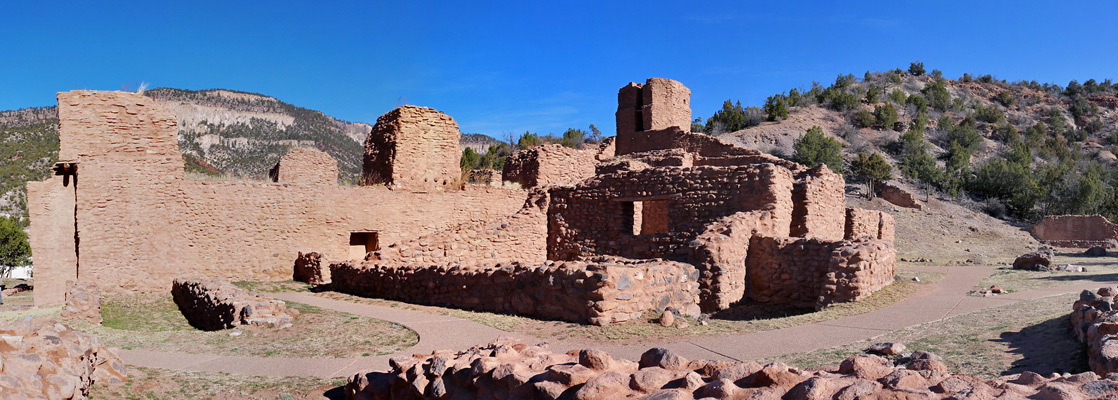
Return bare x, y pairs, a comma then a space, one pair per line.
1095, 322
599, 291
484, 177
44, 359
305, 166
414, 148
810, 272
657, 104
898, 196
215, 304
869, 223
514, 370
819, 201
1082, 231
553, 164
83, 301
312, 268
140, 223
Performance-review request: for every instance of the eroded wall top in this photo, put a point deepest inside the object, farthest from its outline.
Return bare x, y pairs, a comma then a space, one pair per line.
306, 166
413, 148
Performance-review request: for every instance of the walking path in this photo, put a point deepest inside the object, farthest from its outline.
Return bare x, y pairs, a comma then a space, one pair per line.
944, 299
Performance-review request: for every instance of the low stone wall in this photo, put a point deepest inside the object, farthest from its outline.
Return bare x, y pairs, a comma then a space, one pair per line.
1081, 244
897, 196
484, 177
1095, 322
514, 370
1070, 229
215, 304
83, 301
869, 223
719, 254
312, 267
305, 166
550, 164
599, 291
809, 272
521, 237
43, 359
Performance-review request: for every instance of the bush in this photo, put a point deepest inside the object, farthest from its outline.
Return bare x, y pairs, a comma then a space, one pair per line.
775, 108
916, 160
916, 68
864, 119
871, 94
733, 117
872, 168
886, 116
528, 140
1005, 98
15, 251
814, 148
1011, 183
917, 104
898, 97
937, 96
573, 138
990, 114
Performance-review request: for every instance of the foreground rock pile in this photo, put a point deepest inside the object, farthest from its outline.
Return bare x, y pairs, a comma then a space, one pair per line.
312, 267
1095, 322
513, 370
83, 301
215, 304
43, 359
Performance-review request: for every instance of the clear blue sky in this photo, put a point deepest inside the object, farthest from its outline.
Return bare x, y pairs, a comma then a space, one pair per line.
507, 67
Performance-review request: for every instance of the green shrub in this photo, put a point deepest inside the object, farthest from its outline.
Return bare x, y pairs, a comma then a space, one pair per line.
15, 251
871, 168
775, 109
937, 96
864, 119
990, 114
814, 148
886, 116
916, 68
1005, 98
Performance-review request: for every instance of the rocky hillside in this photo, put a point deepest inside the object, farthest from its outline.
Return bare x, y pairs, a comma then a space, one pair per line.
1016, 150
28, 148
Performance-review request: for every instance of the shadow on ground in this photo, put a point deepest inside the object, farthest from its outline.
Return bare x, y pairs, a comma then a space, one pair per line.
747, 311
1077, 276
1046, 347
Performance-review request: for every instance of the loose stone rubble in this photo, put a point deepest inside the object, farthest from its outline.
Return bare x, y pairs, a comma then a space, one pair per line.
313, 268
83, 301
1095, 322
44, 359
514, 370
215, 304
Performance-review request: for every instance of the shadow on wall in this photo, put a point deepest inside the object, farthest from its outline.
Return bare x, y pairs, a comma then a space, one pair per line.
1045, 348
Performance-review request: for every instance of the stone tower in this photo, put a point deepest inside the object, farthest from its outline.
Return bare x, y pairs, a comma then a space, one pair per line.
413, 148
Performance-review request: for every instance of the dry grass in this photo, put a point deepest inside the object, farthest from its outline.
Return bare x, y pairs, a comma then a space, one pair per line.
154, 322
740, 319
156, 383
1099, 269
1032, 335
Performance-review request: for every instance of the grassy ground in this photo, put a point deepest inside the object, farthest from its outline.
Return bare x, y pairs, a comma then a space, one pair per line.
155, 383
1032, 335
154, 322
1099, 269
740, 319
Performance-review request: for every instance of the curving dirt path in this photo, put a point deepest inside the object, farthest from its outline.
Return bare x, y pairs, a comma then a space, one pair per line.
944, 299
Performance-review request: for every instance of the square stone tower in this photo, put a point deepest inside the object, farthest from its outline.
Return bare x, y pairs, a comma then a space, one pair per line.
657, 104
413, 148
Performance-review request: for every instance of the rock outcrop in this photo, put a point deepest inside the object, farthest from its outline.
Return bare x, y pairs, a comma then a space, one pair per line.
215, 304
44, 359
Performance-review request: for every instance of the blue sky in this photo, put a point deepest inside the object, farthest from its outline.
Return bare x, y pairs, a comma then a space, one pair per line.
502, 68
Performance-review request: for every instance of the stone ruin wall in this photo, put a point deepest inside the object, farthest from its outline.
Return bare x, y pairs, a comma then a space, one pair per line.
599, 291
414, 148
869, 223
484, 177
312, 268
592, 218
1095, 323
305, 166
657, 104
1083, 231
819, 203
554, 164
811, 272
719, 253
897, 196
140, 223
519, 237
216, 304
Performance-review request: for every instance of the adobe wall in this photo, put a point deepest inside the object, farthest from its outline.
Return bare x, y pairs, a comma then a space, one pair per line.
657, 104
140, 223
1075, 230
897, 196
413, 148
819, 203
518, 237
50, 206
305, 166
599, 291
549, 164
810, 272
591, 218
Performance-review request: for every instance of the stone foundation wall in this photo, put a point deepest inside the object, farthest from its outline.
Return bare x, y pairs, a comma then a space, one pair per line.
719, 253
414, 148
897, 196
43, 359
819, 201
599, 216
869, 223
312, 268
809, 272
214, 304
518, 237
1095, 322
50, 206
514, 370
1070, 229
600, 291
305, 166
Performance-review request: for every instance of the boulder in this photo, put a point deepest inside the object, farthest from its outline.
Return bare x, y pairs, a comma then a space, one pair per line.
887, 348
1097, 251
1040, 260
52, 361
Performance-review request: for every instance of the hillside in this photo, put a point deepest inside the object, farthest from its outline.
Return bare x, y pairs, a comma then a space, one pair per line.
1016, 150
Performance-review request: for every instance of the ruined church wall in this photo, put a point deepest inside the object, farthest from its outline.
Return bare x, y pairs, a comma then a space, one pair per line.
306, 166
553, 164
596, 217
819, 198
719, 254
810, 272
51, 209
1075, 230
413, 148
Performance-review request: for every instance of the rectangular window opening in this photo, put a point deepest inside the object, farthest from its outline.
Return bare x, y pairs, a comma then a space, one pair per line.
645, 217
361, 244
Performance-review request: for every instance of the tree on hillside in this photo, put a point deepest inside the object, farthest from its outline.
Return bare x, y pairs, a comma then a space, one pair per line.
814, 148
937, 96
733, 117
470, 159
573, 138
872, 168
886, 116
528, 140
775, 108
916, 68
595, 134
14, 248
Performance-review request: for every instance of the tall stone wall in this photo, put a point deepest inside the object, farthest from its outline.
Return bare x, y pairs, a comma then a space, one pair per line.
810, 272
719, 253
140, 223
600, 291
549, 164
1095, 323
413, 148
657, 104
1076, 230
819, 199
518, 237
596, 217
305, 166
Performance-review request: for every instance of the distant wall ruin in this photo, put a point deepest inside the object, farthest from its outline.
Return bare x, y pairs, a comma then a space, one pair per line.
554, 164
657, 104
305, 166
414, 148
1082, 231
